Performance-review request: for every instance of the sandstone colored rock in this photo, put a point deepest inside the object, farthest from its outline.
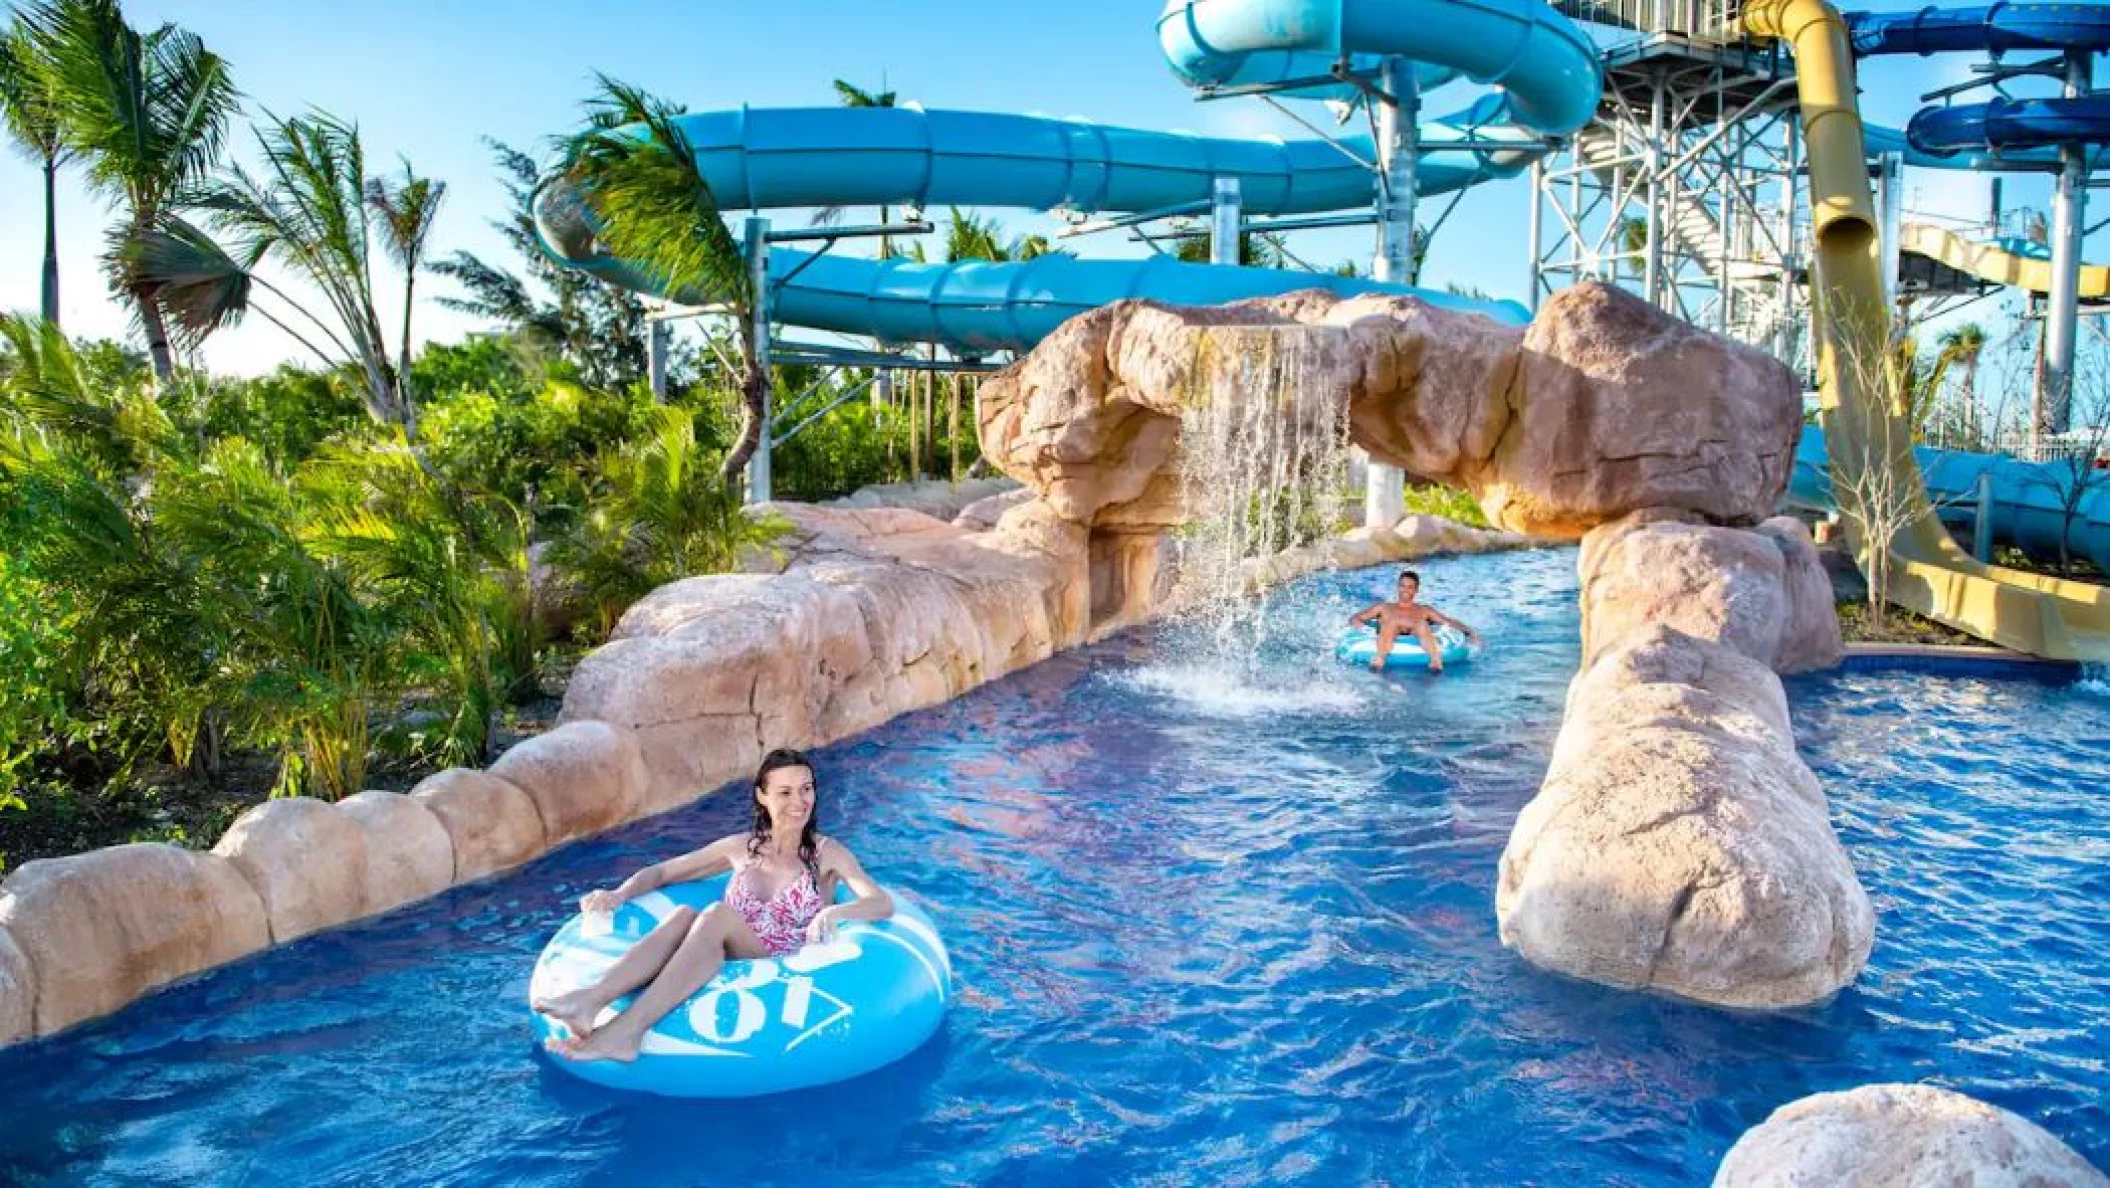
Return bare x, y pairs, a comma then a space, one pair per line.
584, 776
1916, 1135
983, 514
1679, 843
1809, 635
1723, 585
100, 929
494, 826
1621, 406
307, 861
18, 992
409, 855
1685, 859
1605, 406
938, 498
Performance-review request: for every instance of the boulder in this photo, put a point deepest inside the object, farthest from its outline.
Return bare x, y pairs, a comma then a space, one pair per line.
100, 929
409, 855
1686, 857
1915, 1135
1809, 635
1723, 585
984, 513
493, 825
584, 776
306, 860
18, 992
1621, 406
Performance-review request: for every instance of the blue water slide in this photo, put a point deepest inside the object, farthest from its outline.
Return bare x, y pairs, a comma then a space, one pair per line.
2028, 505
764, 159
2003, 134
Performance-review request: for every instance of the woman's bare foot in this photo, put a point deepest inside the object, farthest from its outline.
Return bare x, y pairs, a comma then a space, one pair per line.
612, 1043
576, 1010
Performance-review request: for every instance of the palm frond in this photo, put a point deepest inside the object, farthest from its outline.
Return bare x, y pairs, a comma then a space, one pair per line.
198, 284
650, 201
28, 99
407, 209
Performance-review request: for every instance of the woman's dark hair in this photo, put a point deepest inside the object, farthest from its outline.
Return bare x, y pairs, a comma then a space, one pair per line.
758, 832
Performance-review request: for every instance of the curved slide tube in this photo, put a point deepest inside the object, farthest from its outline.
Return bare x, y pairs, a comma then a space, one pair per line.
2028, 505
1870, 444
836, 156
2017, 263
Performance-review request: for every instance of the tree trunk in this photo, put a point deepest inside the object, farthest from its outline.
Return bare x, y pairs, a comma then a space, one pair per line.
754, 390
915, 426
403, 390
157, 336
51, 241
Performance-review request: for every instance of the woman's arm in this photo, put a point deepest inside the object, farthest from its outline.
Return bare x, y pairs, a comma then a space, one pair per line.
696, 864
872, 902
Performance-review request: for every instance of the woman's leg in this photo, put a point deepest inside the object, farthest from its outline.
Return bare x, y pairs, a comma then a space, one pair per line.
578, 1009
1427, 635
715, 935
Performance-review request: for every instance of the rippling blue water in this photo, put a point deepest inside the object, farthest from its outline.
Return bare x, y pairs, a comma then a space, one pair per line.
1204, 933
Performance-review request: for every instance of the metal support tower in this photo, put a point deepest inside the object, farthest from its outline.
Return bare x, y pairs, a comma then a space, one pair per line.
1225, 215
1683, 189
2069, 208
1397, 260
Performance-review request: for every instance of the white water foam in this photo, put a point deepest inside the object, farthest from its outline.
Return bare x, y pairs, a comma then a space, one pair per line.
2095, 680
1227, 692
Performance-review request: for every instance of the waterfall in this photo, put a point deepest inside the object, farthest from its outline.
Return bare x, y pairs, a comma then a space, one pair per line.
2095, 678
1263, 468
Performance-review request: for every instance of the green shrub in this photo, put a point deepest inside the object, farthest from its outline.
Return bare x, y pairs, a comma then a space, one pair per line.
1432, 499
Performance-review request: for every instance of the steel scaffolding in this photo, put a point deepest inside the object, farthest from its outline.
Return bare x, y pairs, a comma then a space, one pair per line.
1685, 188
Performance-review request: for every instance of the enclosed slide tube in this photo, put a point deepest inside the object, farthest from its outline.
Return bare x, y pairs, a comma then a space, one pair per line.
2029, 501
836, 156
1870, 444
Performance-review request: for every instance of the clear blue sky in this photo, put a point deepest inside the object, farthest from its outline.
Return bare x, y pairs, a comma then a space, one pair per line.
429, 79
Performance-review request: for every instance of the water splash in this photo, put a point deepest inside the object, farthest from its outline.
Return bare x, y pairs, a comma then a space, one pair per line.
1264, 468
2095, 680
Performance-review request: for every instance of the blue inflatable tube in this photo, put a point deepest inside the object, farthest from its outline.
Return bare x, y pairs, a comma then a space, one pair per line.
825, 1013
1358, 645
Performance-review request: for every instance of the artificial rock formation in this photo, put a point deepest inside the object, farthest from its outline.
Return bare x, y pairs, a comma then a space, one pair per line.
861, 616
1678, 843
1915, 1135
1602, 407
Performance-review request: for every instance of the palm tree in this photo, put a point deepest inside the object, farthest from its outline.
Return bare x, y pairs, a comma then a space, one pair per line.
148, 114
639, 174
1962, 346
28, 104
406, 211
307, 207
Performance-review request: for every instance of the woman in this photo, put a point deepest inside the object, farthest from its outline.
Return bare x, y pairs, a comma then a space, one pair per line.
779, 897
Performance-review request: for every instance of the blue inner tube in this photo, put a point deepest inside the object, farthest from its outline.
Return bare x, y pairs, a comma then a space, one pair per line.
825, 1013
1358, 645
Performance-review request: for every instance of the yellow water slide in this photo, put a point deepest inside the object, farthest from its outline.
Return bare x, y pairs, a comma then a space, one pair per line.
1870, 450
1993, 263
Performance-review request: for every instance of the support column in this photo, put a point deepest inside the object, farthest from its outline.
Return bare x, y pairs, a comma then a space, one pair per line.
1398, 150
1538, 233
757, 249
1225, 218
1652, 160
1890, 213
1790, 254
2069, 206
